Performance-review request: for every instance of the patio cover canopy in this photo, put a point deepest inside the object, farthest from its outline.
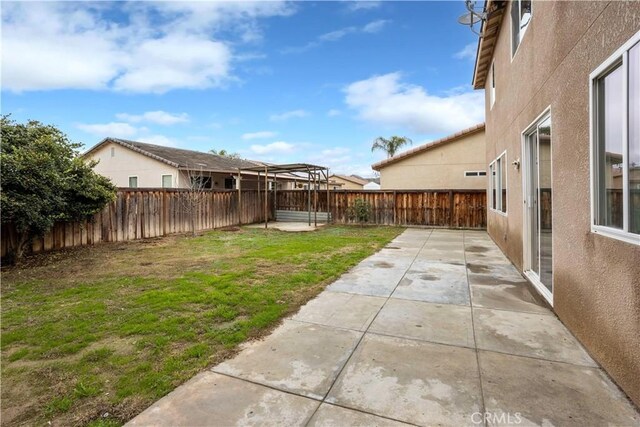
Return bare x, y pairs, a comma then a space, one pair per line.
315, 174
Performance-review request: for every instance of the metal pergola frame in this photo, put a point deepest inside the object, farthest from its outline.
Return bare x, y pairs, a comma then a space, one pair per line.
314, 172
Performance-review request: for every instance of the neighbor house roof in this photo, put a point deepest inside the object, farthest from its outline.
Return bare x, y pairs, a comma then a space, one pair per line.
355, 179
180, 158
486, 44
456, 136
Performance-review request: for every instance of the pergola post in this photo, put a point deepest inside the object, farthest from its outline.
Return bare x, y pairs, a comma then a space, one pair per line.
326, 171
266, 196
239, 188
316, 180
309, 194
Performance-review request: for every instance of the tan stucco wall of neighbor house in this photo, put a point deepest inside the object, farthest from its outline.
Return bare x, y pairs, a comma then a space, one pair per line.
596, 278
346, 184
440, 167
126, 163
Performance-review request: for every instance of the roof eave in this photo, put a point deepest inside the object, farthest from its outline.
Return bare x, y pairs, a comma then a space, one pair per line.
486, 43
426, 147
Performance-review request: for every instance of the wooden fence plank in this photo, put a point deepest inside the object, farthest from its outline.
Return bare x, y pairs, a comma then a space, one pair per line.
144, 213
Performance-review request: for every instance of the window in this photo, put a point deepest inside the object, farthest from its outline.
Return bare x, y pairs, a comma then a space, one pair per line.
492, 89
201, 182
615, 135
520, 17
113, 151
133, 182
229, 183
498, 184
167, 181
475, 173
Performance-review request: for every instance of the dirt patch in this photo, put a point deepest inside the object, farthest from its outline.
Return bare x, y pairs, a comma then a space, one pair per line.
231, 228
391, 247
429, 277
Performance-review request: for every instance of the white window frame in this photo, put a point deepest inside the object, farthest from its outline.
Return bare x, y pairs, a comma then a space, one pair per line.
526, 224
499, 173
619, 55
162, 180
523, 31
129, 181
492, 85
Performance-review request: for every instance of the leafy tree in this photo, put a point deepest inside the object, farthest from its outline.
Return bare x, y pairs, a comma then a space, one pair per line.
225, 153
44, 181
391, 145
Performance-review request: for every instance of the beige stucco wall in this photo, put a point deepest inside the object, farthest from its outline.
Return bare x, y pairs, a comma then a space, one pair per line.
346, 185
596, 278
126, 163
441, 167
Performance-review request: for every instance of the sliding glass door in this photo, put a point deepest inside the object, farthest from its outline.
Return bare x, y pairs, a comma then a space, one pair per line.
538, 206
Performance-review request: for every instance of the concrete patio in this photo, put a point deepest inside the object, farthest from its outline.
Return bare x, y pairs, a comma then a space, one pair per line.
438, 328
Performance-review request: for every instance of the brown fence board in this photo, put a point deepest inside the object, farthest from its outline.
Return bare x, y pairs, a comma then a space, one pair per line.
137, 214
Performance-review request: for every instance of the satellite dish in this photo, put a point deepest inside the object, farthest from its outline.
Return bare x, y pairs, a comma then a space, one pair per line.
469, 18
472, 17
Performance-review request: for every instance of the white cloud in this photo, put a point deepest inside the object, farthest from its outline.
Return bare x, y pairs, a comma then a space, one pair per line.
114, 129
467, 52
279, 147
334, 36
160, 46
386, 100
126, 131
375, 26
258, 135
157, 117
158, 140
333, 113
363, 5
183, 61
288, 115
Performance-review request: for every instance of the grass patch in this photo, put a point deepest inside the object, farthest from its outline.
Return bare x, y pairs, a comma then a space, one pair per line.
94, 335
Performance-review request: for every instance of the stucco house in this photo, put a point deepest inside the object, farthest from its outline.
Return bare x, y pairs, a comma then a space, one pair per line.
454, 162
346, 182
562, 92
371, 185
136, 164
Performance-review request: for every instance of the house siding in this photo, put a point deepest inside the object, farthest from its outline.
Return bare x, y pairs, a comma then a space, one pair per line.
596, 278
128, 163
441, 167
347, 185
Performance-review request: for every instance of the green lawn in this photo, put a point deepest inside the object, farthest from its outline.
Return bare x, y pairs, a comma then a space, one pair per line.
109, 329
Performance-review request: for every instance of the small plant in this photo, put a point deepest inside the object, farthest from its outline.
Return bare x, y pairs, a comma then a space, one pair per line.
360, 211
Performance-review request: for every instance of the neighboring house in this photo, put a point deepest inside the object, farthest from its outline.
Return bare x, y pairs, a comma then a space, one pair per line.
455, 162
139, 165
347, 182
562, 89
371, 185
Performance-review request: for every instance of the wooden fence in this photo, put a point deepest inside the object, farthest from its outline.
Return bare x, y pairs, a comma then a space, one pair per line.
438, 208
143, 213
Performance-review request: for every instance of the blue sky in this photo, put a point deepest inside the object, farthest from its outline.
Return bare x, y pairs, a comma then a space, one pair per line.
273, 81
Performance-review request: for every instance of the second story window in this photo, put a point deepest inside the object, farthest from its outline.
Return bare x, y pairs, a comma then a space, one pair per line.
520, 18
